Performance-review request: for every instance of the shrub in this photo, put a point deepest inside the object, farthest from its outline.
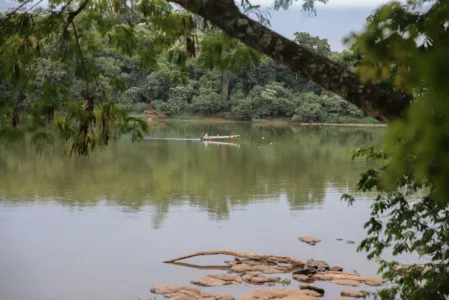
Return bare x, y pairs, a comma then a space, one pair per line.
243, 109
207, 102
309, 113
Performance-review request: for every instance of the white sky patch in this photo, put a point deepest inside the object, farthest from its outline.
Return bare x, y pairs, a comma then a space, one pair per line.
334, 3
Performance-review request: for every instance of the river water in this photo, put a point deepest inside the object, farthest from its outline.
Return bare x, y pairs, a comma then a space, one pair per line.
100, 227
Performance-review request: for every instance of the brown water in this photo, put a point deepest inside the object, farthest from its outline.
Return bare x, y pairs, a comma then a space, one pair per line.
99, 227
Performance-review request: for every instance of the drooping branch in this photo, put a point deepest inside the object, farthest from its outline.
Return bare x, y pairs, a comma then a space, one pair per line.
248, 255
9, 15
382, 103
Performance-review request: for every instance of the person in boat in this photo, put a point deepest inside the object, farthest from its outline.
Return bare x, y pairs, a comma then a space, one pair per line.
205, 136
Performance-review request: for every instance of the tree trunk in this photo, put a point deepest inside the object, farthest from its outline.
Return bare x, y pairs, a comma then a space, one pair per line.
225, 80
381, 103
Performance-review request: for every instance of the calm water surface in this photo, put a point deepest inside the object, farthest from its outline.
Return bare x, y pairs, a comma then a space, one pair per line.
99, 227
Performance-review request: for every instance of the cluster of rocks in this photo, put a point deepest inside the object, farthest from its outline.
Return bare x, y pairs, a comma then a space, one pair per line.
281, 294
253, 268
319, 270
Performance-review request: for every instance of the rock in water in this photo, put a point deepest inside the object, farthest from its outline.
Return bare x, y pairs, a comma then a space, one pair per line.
260, 278
306, 271
320, 265
216, 280
309, 240
347, 282
227, 277
207, 281
336, 268
312, 288
301, 277
340, 276
354, 294
186, 293
281, 294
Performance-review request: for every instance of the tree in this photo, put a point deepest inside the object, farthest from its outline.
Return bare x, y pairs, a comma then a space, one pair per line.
318, 45
411, 211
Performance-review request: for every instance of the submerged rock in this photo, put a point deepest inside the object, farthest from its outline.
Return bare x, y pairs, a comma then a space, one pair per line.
347, 282
227, 277
306, 271
312, 288
173, 289
216, 280
186, 293
259, 278
281, 294
340, 276
354, 294
309, 240
301, 277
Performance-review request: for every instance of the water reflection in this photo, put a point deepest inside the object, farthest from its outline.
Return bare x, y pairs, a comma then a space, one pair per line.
270, 163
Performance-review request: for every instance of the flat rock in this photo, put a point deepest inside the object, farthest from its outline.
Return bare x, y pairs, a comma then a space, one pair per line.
312, 288
227, 277
373, 281
301, 277
173, 289
186, 293
346, 282
207, 281
305, 271
338, 276
354, 294
281, 294
216, 280
259, 278
309, 240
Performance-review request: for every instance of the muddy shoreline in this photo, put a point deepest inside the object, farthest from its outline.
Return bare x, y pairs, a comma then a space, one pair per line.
269, 121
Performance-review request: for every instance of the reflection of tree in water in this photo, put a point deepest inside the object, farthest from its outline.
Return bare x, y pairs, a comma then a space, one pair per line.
296, 162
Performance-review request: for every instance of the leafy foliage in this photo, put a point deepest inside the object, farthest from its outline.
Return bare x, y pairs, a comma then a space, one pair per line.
404, 48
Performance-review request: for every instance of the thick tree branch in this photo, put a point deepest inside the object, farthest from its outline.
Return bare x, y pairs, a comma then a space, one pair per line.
381, 103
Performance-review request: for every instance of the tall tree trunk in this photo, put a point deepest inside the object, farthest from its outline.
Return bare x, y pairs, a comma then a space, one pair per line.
225, 80
382, 103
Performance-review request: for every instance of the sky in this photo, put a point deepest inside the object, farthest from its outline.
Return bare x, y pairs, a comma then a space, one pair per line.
334, 20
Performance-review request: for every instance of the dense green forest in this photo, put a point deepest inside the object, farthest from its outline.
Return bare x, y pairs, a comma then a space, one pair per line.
225, 79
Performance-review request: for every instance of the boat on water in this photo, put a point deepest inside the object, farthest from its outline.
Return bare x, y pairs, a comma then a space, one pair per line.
219, 137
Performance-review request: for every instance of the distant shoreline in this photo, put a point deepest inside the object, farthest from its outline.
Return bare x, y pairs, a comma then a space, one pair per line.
196, 119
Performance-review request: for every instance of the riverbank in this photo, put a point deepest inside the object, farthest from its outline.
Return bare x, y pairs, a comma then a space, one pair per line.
273, 121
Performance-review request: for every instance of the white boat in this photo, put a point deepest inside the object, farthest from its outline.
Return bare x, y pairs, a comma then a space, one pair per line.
219, 137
